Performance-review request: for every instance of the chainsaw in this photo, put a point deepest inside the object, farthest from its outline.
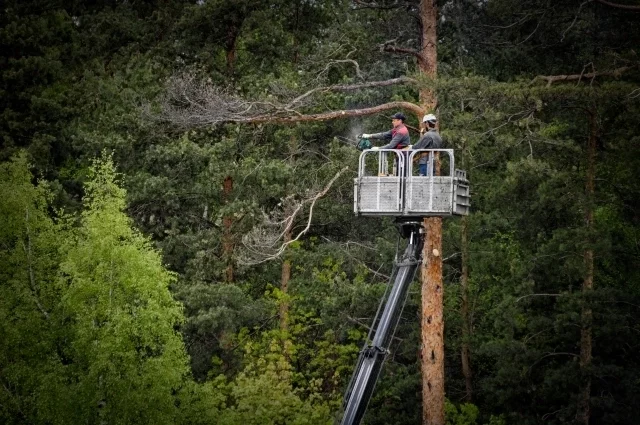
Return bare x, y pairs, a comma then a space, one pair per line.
363, 144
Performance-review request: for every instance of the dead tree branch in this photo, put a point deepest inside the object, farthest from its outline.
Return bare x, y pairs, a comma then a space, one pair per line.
575, 18
392, 48
618, 5
634, 94
32, 280
191, 103
355, 64
350, 87
518, 22
362, 4
538, 295
550, 79
264, 242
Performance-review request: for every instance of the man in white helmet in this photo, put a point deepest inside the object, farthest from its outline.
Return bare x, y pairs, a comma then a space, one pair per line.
430, 140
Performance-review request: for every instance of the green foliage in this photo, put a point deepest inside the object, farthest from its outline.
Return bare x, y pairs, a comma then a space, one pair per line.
29, 257
88, 319
85, 304
465, 414
263, 393
126, 359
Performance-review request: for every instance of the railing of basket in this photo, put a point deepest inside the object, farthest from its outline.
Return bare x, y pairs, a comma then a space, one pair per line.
410, 189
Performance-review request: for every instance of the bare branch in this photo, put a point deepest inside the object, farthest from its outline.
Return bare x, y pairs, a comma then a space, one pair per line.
578, 77
523, 19
454, 255
551, 355
338, 61
32, 280
362, 4
532, 32
337, 114
263, 243
512, 117
360, 246
191, 103
350, 87
618, 5
538, 295
575, 18
392, 48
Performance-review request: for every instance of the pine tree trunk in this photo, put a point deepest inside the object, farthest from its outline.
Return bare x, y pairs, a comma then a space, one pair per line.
231, 40
227, 237
428, 55
465, 311
583, 412
231, 60
432, 327
288, 235
284, 286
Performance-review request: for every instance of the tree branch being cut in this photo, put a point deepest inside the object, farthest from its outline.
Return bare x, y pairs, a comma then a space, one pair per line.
191, 103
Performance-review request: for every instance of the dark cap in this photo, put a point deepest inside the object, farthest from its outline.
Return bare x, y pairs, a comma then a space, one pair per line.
399, 116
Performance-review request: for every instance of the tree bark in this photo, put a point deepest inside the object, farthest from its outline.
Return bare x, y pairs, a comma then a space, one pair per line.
432, 327
465, 352
284, 286
286, 264
583, 412
227, 237
428, 54
231, 59
234, 24
465, 311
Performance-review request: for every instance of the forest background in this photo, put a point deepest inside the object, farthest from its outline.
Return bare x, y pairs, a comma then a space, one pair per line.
132, 286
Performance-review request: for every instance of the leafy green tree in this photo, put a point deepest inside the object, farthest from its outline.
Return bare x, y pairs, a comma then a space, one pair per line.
296, 384
29, 258
123, 360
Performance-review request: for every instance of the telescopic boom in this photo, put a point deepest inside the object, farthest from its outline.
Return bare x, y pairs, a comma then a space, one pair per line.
374, 352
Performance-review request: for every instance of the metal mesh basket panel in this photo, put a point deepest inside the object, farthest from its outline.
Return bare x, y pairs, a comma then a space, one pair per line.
379, 194
429, 195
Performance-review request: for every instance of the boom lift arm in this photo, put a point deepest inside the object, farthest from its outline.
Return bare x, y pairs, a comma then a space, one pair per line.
409, 196
376, 349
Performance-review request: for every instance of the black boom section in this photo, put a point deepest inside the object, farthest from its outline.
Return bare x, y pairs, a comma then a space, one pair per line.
375, 351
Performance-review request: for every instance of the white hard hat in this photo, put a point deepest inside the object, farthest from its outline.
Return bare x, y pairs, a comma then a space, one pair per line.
429, 117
